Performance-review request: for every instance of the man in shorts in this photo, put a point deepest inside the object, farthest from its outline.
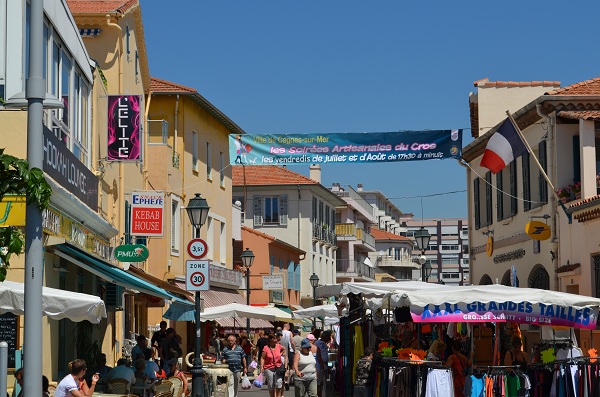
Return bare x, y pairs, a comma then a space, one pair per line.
288, 344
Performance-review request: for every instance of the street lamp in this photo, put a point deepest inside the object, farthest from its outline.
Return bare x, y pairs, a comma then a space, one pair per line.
422, 238
197, 210
314, 282
247, 260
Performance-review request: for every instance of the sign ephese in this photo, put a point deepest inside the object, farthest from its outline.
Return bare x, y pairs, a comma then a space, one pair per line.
147, 210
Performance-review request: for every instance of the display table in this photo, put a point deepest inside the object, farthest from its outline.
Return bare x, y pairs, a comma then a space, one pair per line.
217, 370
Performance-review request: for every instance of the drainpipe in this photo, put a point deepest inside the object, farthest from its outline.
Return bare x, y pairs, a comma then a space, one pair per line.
176, 125
554, 246
470, 223
146, 111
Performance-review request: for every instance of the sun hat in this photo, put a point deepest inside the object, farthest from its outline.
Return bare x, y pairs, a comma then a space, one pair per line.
305, 343
310, 337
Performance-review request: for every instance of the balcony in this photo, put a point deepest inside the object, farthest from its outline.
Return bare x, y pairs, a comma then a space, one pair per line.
352, 268
324, 234
390, 261
349, 232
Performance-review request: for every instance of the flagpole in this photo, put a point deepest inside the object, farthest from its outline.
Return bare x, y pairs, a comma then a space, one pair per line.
530, 151
514, 123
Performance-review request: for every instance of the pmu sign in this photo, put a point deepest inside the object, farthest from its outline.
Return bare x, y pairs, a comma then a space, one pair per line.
197, 275
147, 209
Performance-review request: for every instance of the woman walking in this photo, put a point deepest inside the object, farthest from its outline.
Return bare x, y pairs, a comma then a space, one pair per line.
270, 360
74, 384
459, 363
305, 369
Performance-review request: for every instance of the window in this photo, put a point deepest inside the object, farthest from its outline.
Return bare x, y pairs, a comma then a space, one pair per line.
175, 225
195, 151
451, 247
223, 243
209, 166
127, 35
222, 169
291, 279
482, 195
297, 275
270, 210
280, 265
535, 188
506, 184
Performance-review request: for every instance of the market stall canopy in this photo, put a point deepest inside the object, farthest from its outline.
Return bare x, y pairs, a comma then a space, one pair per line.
499, 303
280, 315
319, 311
236, 310
56, 304
371, 290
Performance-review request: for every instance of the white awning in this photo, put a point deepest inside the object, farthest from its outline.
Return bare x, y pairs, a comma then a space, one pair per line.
56, 304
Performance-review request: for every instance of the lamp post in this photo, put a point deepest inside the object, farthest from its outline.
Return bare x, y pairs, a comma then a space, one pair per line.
422, 238
197, 210
247, 260
314, 282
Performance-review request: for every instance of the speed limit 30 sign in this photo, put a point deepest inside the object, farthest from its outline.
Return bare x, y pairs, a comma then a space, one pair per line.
197, 275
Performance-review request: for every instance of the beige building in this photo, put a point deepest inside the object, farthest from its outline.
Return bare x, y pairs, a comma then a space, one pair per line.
560, 125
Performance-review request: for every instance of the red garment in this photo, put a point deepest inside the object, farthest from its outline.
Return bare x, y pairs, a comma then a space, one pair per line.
458, 376
273, 356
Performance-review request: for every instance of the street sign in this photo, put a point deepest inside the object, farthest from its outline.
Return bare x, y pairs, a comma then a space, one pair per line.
147, 213
197, 248
272, 282
131, 253
197, 275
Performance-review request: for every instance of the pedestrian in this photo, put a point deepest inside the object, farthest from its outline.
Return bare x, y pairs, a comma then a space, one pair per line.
270, 359
169, 347
263, 340
364, 375
458, 362
436, 350
73, 384
235, 358
305, 369
247, 347
323, 360
296, 338
159, 335
19, 378
288, 345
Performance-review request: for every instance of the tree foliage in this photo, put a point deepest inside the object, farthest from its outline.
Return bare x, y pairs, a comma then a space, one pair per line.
17, 179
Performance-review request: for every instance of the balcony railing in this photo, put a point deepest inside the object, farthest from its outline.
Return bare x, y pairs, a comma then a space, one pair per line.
350, 230
390, 261
354, 267
351, 193
324, 234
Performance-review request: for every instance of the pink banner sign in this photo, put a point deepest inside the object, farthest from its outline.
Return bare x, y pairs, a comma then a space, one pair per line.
522, 312
124, 134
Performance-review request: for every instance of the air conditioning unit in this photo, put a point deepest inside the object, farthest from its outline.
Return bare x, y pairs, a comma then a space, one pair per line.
113, 297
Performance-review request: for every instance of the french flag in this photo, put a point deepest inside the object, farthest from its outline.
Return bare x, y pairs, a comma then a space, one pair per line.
502, 148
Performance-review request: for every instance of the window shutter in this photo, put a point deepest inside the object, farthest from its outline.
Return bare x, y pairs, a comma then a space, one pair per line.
526, 186
513, 188
488, 198
283, 209
272, 262
476, 203
290, 275
297, 275
542, 180
258, 218
499, 196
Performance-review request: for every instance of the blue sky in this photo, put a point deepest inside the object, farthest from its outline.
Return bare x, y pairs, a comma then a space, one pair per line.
276, 66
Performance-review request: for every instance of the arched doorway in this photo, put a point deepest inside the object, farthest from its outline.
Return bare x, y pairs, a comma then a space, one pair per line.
485, 280
539, 278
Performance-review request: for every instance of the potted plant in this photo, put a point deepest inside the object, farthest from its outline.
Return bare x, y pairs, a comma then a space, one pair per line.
564, 193
576, 189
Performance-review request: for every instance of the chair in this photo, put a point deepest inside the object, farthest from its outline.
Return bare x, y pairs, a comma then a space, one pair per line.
166, 386
119, 386
51, 389
164, 394
177, 385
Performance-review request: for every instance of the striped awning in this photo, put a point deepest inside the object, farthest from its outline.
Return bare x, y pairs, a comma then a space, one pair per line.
90, 32
216, 296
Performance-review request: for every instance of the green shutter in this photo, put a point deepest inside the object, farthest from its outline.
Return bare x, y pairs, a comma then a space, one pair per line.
476, 203
526, 182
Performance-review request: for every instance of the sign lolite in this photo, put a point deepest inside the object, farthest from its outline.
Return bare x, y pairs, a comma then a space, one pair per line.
147, 210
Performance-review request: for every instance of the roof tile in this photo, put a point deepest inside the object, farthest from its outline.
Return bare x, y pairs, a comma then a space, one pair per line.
587, 87
265, 175
487, 83
159, 85
101, 6
385, 235
580, 114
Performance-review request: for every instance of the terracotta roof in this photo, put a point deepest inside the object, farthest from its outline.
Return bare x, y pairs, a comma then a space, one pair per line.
582, 202
487, 83
264, 175
580, 114
568, 268
587, 87
101, 6
159, 85
385, 235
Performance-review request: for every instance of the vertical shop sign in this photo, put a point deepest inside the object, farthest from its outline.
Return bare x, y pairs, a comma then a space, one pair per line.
147, 209
124, 132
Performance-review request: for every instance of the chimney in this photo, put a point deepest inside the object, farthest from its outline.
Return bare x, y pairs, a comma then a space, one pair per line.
335, 187
315, 172
359, 187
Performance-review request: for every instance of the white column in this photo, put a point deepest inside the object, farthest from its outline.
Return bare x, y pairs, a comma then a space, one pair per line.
587, 149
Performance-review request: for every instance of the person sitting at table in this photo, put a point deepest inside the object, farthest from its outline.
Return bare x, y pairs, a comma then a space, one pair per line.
73, 384
152, 368
140, 372
174, 371
121, 371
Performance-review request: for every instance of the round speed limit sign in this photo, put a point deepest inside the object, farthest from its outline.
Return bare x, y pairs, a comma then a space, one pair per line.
197, 248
